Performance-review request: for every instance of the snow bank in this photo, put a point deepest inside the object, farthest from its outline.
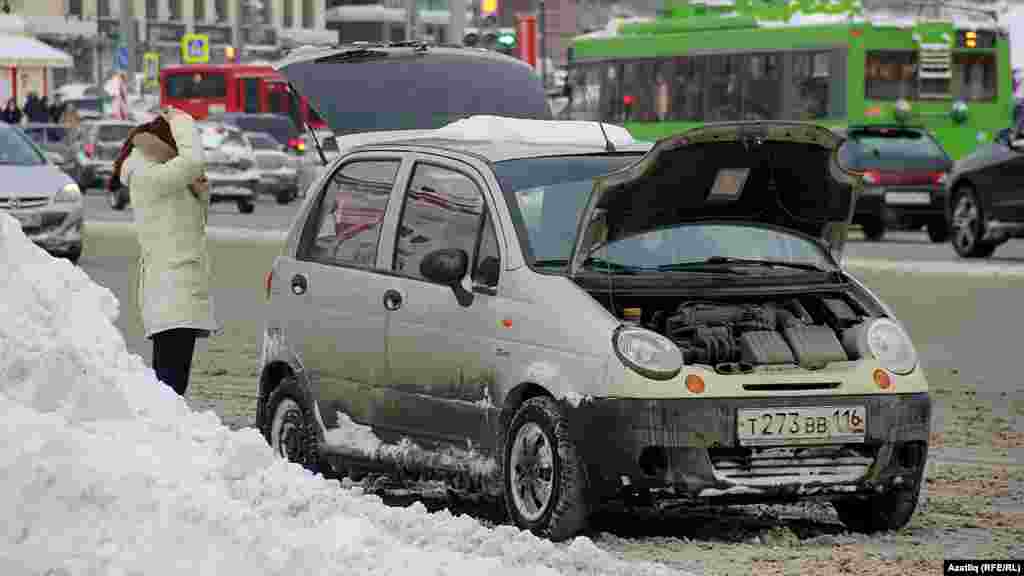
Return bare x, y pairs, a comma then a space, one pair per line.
558, 132
103, 470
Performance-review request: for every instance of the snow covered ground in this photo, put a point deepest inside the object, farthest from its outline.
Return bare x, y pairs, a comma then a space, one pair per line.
103, 470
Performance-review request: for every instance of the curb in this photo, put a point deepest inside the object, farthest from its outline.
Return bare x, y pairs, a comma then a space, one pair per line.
212, 232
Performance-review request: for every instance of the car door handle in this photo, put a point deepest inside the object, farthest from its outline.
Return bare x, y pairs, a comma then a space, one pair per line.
299, 284
392, 300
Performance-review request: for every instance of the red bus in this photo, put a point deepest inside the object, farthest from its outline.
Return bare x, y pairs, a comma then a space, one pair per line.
204, 89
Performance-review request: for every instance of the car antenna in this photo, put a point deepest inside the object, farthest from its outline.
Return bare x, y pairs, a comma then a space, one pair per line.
608, 146
316, 141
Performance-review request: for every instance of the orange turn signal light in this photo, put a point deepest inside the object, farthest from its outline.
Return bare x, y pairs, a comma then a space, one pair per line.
882, 379
695, 384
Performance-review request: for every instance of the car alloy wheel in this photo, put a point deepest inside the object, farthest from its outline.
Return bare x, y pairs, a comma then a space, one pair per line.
532, 469
287, 431
969, 226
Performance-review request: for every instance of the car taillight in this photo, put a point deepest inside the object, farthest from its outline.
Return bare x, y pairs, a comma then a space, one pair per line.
940, 177
268, 283
872, 177
90, 150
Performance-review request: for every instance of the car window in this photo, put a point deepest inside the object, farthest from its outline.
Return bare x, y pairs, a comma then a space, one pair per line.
351, 208
546, 196
443, 209
891, 149
16, 149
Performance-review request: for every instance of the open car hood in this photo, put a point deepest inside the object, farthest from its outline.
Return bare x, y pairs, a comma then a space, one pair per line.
785, 174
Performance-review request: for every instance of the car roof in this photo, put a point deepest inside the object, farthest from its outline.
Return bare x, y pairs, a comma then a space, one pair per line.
306, 53
499, 150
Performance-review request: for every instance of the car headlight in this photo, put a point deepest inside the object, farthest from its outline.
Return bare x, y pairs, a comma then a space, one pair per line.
69, 193
891, 346
647, 352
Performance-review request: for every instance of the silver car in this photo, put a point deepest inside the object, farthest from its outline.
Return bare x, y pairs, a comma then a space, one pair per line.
40, 195
563, 325
278, 174
230, 168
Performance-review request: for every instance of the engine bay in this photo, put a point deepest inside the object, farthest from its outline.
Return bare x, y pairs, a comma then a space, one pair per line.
735, 336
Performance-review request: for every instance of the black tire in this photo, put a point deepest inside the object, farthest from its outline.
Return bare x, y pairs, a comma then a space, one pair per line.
245, 206
565, 512
296, 437
938, 230
878, 512
969, 225
284, 195
874, 229
117, 199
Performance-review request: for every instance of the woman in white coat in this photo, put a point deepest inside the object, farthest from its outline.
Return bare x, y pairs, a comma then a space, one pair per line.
162, 164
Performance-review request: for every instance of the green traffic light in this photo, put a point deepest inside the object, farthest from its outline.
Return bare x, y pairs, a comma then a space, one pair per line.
507, 39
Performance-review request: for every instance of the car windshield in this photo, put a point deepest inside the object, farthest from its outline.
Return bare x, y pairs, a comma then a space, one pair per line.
693, 246
113, 132
547, 196
892, 150
17, 150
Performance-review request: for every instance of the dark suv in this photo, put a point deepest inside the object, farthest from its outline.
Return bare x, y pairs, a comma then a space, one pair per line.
905, 171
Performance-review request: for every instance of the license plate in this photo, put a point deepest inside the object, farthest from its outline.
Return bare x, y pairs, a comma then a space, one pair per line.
916, 198
803, 425
28, 219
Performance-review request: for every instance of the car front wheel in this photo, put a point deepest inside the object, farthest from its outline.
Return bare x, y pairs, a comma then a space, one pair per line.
289, 426
969, 225
246, 206
544, 478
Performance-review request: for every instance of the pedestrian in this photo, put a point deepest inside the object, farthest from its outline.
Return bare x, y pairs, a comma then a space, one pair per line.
161, 162
11, 112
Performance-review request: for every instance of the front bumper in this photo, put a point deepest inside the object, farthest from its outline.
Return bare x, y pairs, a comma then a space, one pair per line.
59, 229
688, 449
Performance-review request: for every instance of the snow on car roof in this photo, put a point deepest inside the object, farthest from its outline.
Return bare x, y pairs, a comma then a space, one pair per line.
545, 132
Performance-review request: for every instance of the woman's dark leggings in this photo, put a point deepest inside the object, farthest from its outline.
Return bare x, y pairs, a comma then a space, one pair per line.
172, 357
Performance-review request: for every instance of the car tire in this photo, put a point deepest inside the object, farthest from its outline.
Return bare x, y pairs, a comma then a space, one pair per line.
938, 230
290, 427
878, 512
246, 206
284, 195
874, 229
117, 199
540, 421
969, 225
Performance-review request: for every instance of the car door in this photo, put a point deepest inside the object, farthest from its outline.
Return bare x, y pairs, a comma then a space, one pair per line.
335, 320
1007, 196
441, 354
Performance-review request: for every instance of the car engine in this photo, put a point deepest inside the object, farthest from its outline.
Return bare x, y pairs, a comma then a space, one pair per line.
809, 331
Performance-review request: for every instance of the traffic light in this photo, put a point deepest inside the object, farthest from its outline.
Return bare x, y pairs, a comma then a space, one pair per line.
506, 41
229, 53
971, 39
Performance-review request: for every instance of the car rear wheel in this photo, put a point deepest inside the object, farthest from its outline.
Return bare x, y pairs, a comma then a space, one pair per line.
938, 230
874, 229
285, 195
117, 199
878, 512
290, 428
245, 206
544, 478
969, 225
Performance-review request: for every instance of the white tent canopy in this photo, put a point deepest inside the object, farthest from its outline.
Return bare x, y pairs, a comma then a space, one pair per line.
26, 51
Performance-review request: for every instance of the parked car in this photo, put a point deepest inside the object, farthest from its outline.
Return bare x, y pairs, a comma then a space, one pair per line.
985, 207
230, 169
277, 168
279, 126
905, 171
559, 324
92, 107
56, 140
95, 152
40, 195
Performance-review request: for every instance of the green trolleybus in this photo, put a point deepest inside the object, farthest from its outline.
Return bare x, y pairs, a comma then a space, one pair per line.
946, 68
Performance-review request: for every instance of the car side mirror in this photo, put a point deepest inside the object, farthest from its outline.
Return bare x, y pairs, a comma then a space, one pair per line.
448, 266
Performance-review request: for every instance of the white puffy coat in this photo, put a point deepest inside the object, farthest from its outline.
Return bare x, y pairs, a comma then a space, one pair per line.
174, 268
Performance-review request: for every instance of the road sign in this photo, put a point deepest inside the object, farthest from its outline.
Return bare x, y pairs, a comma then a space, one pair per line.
121, 58
195, 49
152, 68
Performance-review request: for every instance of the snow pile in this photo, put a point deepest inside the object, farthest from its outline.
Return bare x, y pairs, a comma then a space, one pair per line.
557, 132
103, 470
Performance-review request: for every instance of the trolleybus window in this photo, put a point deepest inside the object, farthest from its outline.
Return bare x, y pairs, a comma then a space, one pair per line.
975, 76
196, 85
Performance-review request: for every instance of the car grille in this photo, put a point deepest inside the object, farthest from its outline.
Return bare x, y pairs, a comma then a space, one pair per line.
23, 202
763, 467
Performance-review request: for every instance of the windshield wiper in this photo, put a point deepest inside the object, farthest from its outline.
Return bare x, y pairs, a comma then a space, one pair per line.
593, 263
726, 260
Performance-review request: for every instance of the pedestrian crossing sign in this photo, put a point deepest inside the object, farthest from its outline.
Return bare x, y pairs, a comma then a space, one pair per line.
195, 49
